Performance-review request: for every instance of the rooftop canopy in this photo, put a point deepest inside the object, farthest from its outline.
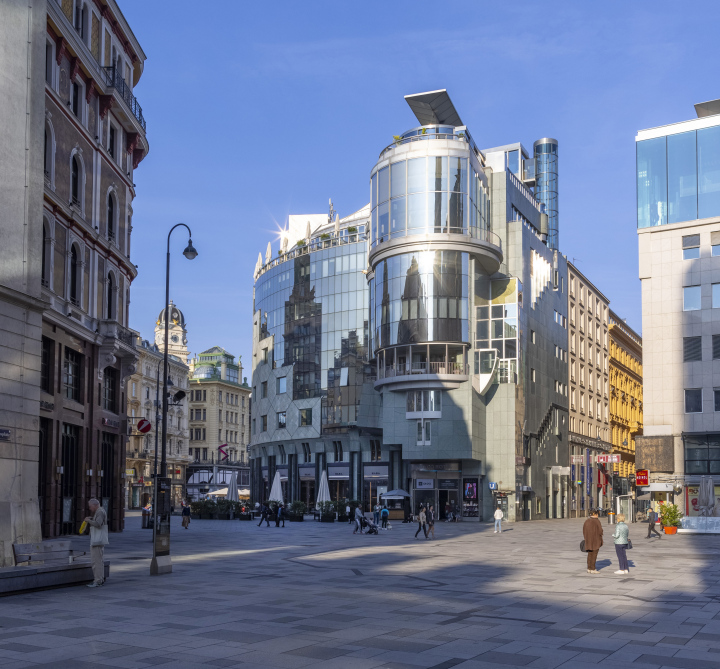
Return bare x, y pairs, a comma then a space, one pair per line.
433, 108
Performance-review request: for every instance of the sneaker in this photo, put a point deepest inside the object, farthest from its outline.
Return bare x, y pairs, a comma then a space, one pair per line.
93, 585
594, 571
627, 571
621, 571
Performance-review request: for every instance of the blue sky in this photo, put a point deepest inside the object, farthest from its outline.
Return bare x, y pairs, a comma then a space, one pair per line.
259, 110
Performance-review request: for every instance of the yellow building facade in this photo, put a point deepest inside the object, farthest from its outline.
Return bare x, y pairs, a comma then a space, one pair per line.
626, 392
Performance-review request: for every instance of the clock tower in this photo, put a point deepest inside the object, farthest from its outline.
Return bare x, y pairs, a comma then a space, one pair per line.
177, 333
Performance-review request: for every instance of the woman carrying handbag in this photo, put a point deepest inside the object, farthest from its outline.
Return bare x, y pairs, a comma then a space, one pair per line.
622, 543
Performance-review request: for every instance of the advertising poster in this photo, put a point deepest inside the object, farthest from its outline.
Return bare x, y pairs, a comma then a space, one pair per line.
692, 499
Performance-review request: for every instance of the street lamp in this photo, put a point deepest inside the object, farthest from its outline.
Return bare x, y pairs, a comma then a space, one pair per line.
161, 563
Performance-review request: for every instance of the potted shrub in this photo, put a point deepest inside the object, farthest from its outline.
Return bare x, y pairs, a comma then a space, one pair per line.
296, 511
670, 518
242, 511
301, 243
352, 231
196, 510
224, 509
327, 512
205, 509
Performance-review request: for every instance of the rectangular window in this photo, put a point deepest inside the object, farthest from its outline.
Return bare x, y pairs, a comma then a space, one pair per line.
281, 420
263, 423
305, 417
715, 250
75, 100
651, 182
717, 399
682, 177
716, 347
110, 389
693, 400
692, 349
46, 365
281, 385
691, 298
715, 295
263, 390
71, 375
708, 160
111, 141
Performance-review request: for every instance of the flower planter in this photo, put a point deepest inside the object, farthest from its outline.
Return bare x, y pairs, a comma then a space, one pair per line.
295, 517
330, 518
670, 529
342, 518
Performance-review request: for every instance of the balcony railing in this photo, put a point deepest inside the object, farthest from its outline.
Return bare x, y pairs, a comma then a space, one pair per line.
114, 329
114, 78
454, 368
214, 461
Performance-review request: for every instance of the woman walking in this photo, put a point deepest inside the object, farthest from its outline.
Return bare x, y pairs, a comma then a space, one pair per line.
422, 520
431, 520
621, 543
186, 515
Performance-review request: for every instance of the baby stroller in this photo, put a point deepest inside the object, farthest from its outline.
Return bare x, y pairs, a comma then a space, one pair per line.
372, 528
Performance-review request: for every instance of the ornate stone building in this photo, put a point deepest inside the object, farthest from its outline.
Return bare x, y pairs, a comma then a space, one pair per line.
142, 393
626, 392
85, 138
219, 422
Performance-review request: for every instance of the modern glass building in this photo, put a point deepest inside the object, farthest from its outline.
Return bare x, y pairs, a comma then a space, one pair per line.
546, 190
678, 221
399, 348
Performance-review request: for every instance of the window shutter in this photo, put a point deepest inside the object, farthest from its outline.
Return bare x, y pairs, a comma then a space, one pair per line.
690, 241
692, 349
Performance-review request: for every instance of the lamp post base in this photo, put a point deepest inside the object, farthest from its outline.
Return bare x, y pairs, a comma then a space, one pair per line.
161, 565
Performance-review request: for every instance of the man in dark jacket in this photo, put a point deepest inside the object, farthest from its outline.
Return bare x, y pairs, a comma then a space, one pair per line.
592, 533
652, 519
264, 515
280, 518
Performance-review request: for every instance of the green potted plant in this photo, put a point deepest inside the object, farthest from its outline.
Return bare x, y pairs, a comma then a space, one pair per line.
327, 512
224, 509
297, 511
301, 243
352, 231
397, 139
670, 518
342, 516
196, 510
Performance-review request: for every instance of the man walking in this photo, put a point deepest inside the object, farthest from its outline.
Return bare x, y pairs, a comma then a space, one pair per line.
652, 519
280, 517
264, 515
498, 515
186, 515
98, 541
592, 533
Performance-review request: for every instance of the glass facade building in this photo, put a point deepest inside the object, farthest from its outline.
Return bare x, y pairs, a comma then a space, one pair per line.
678, 177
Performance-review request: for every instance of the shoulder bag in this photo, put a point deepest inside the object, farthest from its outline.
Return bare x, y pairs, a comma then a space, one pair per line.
582, 546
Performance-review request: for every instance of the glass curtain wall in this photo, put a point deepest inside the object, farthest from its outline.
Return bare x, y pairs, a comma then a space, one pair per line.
678, 177
316, 308
420, 297
427, 195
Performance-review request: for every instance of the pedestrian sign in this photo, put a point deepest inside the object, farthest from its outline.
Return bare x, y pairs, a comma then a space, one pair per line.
493, 485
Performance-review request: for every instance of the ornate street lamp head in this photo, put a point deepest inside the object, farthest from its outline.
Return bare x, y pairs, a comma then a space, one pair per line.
190, 252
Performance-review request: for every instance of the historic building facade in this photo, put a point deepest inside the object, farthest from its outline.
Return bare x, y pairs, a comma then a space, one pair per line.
626, 392
143, 396
90, 137
219, 406
406, 345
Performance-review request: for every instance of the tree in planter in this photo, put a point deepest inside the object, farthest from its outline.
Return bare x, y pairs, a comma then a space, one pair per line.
327, 510
670, 515
298, 508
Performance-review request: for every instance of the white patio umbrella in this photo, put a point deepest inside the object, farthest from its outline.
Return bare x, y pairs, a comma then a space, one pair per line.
232, 494
324, 491
706, 496
242, 492
276, 490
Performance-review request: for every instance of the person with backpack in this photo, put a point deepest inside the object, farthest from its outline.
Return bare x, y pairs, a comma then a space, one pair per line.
384, 515
652, 519
264, 515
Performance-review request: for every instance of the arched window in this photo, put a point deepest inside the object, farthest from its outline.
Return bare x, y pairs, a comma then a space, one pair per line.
74, 273
111, 217
75, 181
110, 296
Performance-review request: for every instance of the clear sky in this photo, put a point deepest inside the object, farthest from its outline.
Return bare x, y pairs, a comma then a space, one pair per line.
259, 110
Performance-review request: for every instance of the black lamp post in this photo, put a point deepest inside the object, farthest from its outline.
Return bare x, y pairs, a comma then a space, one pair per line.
161, 563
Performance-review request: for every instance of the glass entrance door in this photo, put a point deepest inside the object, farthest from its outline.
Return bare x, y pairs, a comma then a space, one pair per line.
448, 504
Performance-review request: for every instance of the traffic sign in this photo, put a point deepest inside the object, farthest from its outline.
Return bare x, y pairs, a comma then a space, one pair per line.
642, 477
144, 426
493, 485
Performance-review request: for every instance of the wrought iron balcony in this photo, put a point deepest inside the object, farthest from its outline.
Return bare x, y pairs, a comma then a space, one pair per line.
114, 79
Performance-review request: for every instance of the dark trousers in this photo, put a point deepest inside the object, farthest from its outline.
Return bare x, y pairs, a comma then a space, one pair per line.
592, 557
278, 520
651, 528
265, 518
621, 550
423, 527
384, 522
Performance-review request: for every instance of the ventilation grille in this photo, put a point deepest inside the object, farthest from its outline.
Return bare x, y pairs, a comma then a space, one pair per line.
692, 348
691, 241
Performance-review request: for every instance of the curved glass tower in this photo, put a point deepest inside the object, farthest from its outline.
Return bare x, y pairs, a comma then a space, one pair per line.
430, 225
546, 189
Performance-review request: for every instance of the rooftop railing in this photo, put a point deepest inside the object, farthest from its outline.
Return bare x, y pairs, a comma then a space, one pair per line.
409, 369
114, 78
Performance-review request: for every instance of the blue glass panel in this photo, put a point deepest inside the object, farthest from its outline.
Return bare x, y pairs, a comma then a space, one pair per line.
682, 177
513, 158
708, 147
373, 191
397, 217
383, 220
417, 210
384, 184
397, 179
651, 183
437, 178
416, 175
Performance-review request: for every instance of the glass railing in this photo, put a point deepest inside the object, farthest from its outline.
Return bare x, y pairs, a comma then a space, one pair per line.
431, 132
480, 234
409, 369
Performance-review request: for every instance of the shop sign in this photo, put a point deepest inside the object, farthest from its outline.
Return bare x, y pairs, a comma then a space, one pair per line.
642, 477
129, 472
606, 459
338, 472
5, 434
376, 471
435, 467
447, 484
308, 472
576, 459
47, 406
493, 485
424, 484
110, 422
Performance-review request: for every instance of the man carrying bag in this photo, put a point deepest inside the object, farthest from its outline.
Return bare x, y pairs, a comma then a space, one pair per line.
652, 519
98, 541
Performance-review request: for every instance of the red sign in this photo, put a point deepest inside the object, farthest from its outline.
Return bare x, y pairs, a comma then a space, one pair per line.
608, 459
144, 426
642, 477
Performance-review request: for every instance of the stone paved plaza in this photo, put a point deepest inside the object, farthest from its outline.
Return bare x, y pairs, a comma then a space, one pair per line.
314, 595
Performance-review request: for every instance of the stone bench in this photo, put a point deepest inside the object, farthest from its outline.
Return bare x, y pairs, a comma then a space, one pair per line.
46, 564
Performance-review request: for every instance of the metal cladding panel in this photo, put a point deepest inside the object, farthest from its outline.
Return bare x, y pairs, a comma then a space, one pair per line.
434, 107
655, 453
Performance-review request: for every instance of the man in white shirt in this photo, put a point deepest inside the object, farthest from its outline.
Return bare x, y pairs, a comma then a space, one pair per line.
498, 520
